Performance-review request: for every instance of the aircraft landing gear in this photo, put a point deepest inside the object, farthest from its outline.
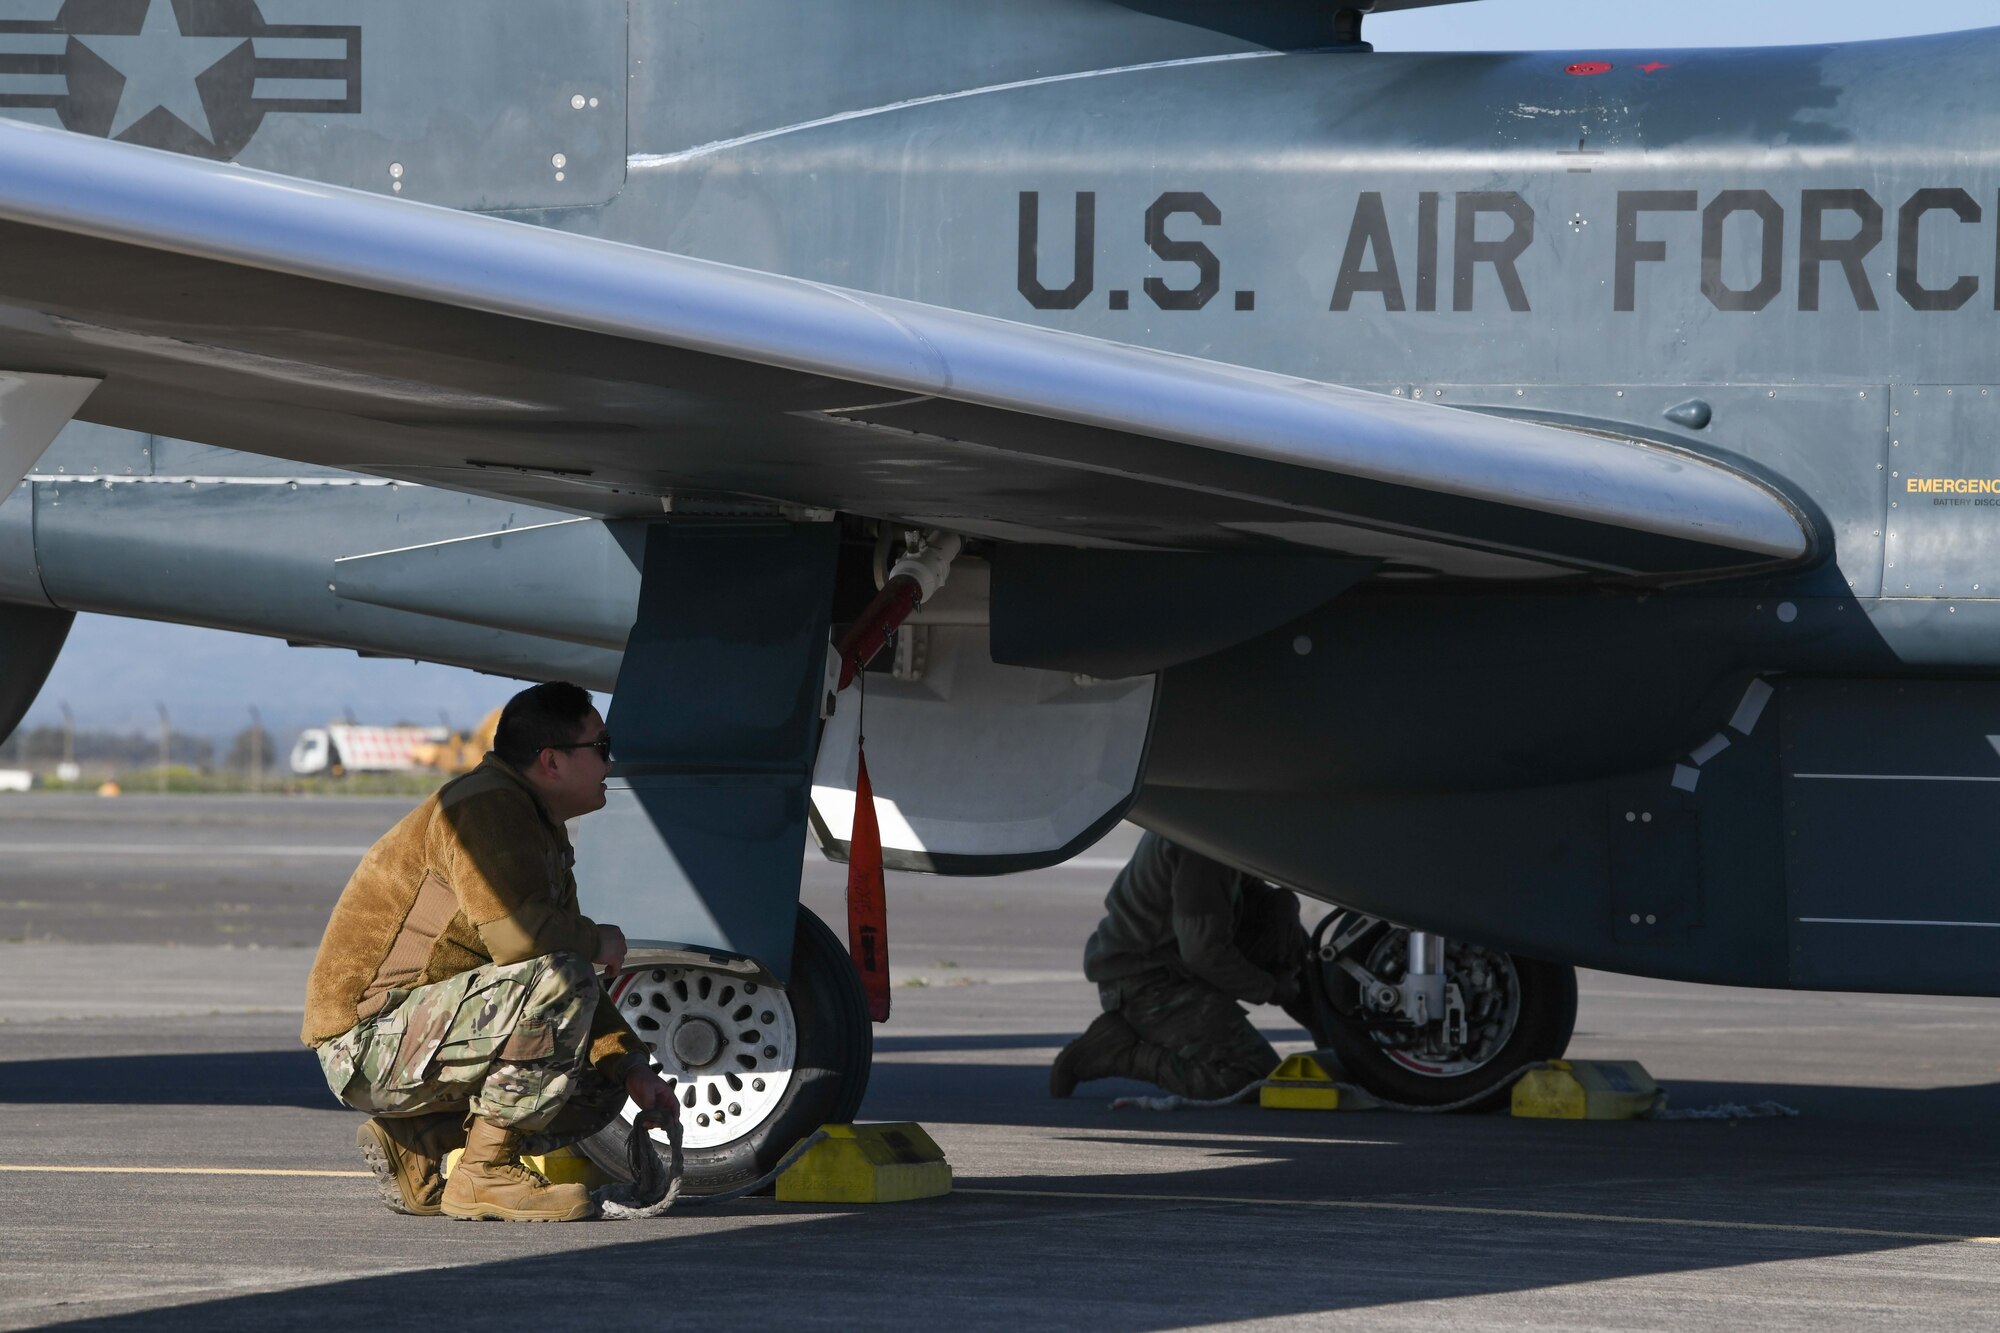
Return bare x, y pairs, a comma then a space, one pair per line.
1427, 1021
758, 1068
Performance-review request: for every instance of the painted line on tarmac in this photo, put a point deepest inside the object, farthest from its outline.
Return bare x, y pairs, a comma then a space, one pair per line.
1464, 1210
210, 850
181, 1171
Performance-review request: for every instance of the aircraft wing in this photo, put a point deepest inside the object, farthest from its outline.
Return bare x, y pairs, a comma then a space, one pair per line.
335, 326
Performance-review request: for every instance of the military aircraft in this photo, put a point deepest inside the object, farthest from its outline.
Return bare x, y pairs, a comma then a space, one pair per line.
1543, 503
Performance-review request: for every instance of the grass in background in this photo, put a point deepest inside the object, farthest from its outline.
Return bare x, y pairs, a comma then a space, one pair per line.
188, 781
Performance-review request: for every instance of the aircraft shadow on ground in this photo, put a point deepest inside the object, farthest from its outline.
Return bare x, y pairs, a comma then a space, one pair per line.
217, 1078
1017, 1094
291, 1077
1203, 1254
982, 1260
951, 1091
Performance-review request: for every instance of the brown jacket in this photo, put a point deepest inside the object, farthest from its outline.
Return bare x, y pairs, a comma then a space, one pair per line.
479, 873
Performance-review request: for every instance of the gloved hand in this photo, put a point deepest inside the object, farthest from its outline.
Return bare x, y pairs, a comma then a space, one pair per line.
650, 1092
1285, 988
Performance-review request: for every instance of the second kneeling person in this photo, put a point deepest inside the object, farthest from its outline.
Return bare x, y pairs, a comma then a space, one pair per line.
1184, 943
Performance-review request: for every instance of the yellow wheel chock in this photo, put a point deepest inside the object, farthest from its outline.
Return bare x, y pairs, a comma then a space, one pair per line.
1586, 1090
880, 1163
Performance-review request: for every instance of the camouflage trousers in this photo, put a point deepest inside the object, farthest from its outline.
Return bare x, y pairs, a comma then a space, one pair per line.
1203, 1043
1194, 1039
506, 1041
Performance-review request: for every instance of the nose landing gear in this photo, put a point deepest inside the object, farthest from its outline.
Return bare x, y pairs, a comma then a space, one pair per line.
1427, 1021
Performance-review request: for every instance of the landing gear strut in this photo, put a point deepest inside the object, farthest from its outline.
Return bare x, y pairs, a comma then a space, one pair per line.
1420, 1019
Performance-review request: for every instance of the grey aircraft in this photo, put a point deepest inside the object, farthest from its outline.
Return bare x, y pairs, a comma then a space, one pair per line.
1545, 504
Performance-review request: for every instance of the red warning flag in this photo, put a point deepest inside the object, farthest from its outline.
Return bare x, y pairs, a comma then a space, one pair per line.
867, 903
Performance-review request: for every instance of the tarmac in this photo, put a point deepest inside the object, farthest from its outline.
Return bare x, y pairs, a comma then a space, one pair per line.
169, 1157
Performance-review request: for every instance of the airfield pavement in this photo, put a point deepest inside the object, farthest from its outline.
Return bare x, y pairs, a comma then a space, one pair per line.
152, 952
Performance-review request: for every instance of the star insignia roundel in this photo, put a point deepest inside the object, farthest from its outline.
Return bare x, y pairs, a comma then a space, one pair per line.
193, 76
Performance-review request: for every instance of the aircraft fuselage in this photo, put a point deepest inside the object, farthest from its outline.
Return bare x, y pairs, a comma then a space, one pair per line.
1787, 260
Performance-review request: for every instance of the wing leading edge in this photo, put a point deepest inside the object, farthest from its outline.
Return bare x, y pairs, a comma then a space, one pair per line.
336, 326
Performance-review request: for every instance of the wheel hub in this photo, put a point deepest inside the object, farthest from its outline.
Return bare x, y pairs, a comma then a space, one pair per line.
697, 1043
1491, 990
729, 1044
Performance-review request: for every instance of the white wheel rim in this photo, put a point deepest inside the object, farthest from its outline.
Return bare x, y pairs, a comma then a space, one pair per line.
730, 1044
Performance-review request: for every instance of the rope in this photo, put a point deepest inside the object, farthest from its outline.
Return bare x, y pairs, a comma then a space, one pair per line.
1369, 1101
784, 1165
1173, 1101
656, 1180
1724, 1111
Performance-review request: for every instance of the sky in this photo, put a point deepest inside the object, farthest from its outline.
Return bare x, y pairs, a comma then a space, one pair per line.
113, 671
1566, 25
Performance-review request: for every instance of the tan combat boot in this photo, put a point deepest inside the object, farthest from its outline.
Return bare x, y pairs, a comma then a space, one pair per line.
490, 1183
1103, 1051
406, 1153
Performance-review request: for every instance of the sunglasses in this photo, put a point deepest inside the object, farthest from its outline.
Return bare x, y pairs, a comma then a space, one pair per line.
602, 745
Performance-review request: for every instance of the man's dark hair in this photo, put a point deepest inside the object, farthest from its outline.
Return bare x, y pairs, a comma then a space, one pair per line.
538, 717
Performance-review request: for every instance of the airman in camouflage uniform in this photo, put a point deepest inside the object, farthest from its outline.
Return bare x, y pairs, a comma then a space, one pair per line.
1183, 940
454, 995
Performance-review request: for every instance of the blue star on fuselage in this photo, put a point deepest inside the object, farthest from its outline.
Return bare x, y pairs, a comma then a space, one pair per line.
160, 66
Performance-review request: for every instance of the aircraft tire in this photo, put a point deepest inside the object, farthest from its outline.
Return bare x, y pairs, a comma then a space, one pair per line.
835, 1050
1545, 1020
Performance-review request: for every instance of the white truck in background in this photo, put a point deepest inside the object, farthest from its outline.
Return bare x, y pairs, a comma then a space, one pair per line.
338, 749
